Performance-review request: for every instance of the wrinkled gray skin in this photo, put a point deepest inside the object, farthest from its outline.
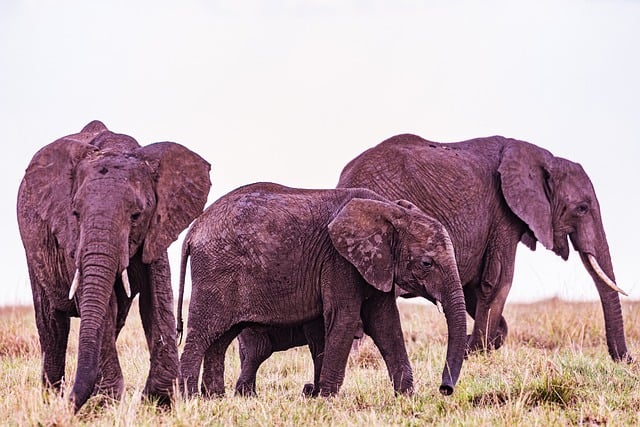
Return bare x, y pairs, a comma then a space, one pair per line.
490, 193
268, 255
97, 203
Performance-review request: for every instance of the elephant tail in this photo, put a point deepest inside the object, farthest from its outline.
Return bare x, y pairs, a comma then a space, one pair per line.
186, 249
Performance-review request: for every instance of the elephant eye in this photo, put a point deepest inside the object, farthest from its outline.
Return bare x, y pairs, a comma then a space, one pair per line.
135, 216
426, 263
76, 214
582, 209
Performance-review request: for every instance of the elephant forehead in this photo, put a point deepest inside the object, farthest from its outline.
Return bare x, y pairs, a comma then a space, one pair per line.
428, 229
420, 235
115, 178
114, 165
574, 188
430, 244
109, 141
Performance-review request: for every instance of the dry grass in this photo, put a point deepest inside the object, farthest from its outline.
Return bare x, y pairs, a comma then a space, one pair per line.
553, 370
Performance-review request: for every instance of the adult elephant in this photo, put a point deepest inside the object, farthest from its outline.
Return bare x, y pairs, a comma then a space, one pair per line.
490, 193
273, 256
96, 214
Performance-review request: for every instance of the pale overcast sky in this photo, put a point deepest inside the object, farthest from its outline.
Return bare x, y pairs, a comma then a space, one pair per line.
290, 91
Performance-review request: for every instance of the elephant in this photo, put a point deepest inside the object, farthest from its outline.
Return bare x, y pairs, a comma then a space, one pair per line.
491, 193
273, 256
256, 344
96, 213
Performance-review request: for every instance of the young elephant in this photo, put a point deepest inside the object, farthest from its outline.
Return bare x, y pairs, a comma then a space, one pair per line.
270, 255
257, 344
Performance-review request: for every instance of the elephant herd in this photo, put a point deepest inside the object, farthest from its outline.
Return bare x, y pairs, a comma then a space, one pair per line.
278, 267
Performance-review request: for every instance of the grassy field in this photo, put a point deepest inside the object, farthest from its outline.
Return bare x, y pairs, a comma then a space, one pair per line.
553, 370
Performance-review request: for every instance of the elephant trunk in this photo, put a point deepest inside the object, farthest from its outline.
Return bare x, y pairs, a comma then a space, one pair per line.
610, 300
98, 269
454, 309
591, 242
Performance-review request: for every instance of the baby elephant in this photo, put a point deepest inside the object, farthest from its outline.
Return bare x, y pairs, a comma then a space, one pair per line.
269, 255
257, 344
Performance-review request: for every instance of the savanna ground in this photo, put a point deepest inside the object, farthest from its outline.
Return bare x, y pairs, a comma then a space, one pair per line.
553, 370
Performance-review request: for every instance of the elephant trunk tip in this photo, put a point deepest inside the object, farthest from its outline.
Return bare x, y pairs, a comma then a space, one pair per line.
446, 389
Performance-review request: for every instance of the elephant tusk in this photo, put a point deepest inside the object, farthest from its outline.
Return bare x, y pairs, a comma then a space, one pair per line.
439, 307
74, 284
601, 274
125, 283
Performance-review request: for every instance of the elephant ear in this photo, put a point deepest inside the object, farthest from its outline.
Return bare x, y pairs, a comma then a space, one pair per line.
362, 233
47, 186
524, 173
182, 187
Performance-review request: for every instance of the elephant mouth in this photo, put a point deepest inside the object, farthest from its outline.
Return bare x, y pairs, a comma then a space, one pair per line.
561, 246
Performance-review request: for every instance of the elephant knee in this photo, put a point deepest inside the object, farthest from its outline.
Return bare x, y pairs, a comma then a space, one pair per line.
245, 389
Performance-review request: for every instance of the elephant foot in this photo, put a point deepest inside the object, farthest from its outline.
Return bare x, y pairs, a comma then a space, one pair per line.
245, 390
161, 396
475, 348
309, 390
328, 391
404, 392
98, 401
625, 358
160, 400
112, 390
480, 345
211, 393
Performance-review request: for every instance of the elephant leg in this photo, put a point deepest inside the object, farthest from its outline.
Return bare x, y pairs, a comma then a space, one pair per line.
53, 331
190, 363
471, 297
340, 327
471, 303
254, 347
490, 328
314, 334
110, 380
381, 321
213, 370
158, 321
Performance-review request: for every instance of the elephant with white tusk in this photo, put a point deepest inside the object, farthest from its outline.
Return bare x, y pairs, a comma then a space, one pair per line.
491, 193
96, 213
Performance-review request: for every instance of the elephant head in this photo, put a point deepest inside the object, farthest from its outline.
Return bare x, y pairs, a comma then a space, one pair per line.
372, 234
556, 199
103, 199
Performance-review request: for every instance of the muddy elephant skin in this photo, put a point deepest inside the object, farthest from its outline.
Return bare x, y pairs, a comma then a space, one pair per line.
96, 213
267, 255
